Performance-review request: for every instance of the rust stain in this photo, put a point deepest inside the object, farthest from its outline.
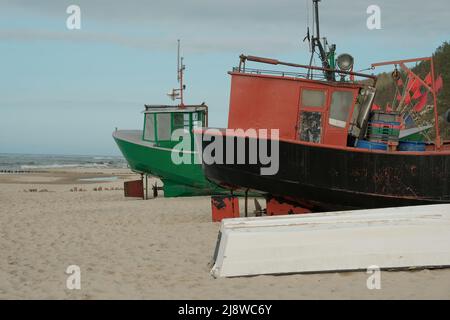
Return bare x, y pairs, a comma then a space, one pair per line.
388, 181
359, 172
413, 170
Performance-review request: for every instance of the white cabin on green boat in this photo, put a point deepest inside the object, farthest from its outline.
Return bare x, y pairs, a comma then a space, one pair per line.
160, 122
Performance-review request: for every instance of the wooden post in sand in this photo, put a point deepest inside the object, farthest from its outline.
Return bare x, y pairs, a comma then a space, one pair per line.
146, 186
143, 193
246, 203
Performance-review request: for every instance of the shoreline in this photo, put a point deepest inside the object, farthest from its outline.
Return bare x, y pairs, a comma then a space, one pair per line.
65, 176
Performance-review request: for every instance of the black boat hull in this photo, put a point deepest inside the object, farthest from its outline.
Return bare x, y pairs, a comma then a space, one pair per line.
328, 179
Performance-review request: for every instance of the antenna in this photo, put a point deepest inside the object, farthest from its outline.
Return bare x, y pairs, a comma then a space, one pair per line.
180, 66
178, 61
178, 93
308, 35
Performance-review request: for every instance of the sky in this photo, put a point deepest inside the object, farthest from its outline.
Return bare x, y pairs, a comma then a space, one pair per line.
65, 91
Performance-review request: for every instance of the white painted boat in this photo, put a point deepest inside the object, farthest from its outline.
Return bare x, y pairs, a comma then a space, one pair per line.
408, 237
412, 131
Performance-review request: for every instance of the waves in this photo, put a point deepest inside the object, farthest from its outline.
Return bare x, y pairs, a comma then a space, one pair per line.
58, 166
42, 162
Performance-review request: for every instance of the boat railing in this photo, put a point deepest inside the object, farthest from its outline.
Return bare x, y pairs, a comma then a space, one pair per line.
312, 71
296, 75
149, 107
158, 106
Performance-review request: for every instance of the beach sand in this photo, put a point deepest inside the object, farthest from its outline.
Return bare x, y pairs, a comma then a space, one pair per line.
154, 249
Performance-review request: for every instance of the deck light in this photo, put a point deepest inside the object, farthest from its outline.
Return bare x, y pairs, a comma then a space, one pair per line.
345, 62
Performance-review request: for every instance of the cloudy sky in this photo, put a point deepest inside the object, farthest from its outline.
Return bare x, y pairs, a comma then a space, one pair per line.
64, 91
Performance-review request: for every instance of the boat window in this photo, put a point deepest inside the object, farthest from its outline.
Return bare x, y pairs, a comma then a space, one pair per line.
197, 120
163, 127
182, 120
310, 126
341, 102
186, 120
178, 120
313, 98
149, 132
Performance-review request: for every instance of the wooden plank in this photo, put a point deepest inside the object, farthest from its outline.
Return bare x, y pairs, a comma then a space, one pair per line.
409, 237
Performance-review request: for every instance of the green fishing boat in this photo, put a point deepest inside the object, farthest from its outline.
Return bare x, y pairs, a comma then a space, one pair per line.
151, 151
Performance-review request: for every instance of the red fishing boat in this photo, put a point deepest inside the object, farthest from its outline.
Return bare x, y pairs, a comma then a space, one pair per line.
334, 150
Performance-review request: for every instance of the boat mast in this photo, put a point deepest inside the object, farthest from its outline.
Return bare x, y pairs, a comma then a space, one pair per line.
177, 94
181, 67
316, 42
316, 14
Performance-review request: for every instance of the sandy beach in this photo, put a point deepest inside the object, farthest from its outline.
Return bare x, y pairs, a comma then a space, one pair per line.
155, 249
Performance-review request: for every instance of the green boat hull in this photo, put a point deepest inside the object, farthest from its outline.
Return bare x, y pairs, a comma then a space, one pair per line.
179, 180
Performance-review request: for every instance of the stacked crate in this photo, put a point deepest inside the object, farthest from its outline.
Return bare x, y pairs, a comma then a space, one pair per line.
384, 128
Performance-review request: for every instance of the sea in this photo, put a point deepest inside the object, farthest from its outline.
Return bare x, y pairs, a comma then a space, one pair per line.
33, 162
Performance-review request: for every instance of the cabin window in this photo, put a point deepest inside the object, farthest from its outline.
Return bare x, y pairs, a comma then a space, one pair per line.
197, 120
178, 120
311, 126
149, 132
187, 120
313, 98
341, 102
163, 127
182, 120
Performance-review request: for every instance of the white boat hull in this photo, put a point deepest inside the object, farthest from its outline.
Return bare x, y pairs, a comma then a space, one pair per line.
408, 237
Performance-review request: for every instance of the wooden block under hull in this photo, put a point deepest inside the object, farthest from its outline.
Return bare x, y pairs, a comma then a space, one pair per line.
134, 189
224, 207
408, 237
